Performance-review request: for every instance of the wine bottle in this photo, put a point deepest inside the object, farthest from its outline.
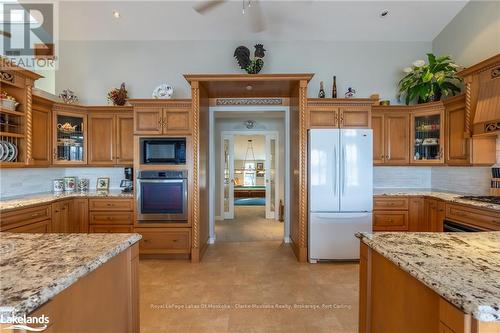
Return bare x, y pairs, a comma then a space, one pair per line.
321, 93
334, 87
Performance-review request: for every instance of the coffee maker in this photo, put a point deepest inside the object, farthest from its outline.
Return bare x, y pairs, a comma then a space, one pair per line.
127, 184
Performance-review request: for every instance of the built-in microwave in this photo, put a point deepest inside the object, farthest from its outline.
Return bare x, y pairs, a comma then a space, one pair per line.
163, 150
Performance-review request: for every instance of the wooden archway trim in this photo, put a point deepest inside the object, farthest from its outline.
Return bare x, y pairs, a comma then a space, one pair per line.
292, 86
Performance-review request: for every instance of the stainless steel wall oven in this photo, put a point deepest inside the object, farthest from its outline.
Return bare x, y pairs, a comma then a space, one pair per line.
162, 196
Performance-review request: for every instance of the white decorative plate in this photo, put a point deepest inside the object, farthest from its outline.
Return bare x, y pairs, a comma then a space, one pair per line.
163, 91
5, 151
12, 152
1, 151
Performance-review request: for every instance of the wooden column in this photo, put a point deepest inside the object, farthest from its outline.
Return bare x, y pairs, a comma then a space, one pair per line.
302, 255
195, 244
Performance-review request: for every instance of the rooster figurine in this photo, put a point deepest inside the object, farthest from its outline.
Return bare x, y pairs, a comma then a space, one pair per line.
251, 66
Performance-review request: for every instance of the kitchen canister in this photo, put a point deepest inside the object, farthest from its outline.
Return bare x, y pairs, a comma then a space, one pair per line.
69, 184
83, 184
58, 185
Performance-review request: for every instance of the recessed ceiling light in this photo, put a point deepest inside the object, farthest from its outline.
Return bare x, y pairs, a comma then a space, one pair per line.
116, 14
384, 13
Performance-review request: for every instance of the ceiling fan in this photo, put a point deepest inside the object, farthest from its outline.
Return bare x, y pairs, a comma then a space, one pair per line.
256, 15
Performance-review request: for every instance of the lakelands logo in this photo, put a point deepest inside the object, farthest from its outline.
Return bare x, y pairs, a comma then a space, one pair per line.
26, 323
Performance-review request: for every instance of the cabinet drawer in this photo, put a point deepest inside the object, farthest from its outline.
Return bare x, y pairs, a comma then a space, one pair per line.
156, 241
395, 203
110, 229
111, 204
41, 227
390, 221
111, 218
475, 217
25, 216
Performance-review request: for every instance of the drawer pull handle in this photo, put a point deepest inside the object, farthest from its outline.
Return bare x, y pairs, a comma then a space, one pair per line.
35, 214
110, 205
460, 213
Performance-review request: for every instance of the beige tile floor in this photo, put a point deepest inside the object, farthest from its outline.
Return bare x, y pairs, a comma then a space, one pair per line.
249, 224
234, 274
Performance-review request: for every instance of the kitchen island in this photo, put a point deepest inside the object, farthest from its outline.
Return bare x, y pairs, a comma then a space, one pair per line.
80, 282
430, 282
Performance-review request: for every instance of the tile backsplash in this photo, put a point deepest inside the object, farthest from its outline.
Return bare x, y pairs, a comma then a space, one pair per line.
468, 180
402, 177
30, 180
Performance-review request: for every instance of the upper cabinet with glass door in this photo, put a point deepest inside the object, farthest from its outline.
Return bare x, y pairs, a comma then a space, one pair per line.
70, 135
427, 127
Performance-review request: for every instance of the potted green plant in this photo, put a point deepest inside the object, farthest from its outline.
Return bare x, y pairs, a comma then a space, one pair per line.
429, 82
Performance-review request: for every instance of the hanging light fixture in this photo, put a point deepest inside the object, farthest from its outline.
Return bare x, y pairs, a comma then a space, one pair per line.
249, 151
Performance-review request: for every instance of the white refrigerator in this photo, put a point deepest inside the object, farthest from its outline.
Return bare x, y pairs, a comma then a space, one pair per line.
340, 191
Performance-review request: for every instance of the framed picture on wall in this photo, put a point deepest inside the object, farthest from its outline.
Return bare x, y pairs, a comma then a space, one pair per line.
102, 183
260, 166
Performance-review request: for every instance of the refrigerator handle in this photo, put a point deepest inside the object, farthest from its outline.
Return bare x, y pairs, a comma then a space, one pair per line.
344, 166
335, 170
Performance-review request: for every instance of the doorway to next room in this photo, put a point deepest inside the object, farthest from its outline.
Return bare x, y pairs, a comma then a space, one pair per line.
250, 180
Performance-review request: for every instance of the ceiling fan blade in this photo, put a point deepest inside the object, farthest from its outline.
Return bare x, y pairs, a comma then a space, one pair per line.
257, 20
206, 6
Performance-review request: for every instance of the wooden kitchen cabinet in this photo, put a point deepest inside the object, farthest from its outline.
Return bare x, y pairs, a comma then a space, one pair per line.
33, 228
80, 216
390, 136
459, 149
41, 132
396, 139
431, 214
417, 216
339, 113
24, 216
111, 215
61, 216
378, 138
110, 136
164, 240
394, 220
69, 135
148, 120
124, 138
155, 120
101, 139
427, 134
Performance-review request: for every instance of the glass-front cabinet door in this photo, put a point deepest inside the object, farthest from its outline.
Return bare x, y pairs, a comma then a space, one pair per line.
427, 137
70, 138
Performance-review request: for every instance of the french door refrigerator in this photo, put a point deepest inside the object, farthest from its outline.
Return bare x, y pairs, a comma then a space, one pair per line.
340, 191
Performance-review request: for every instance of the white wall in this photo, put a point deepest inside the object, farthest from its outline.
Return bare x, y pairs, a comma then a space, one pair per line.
15, 182
91, 68
473, 35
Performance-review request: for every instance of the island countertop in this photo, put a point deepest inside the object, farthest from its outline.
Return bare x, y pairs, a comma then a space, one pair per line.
36, 267
463, 268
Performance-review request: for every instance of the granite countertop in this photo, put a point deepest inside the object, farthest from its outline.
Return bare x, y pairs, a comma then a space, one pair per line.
48, 197
36, 267
463, 268
446, 196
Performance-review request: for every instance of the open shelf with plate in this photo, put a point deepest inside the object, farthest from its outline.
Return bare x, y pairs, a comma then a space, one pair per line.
16, 86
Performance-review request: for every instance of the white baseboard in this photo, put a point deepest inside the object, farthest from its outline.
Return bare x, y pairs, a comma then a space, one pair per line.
286, 239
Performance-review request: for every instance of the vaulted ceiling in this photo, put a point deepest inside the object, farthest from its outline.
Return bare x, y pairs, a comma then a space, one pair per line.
285, 20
